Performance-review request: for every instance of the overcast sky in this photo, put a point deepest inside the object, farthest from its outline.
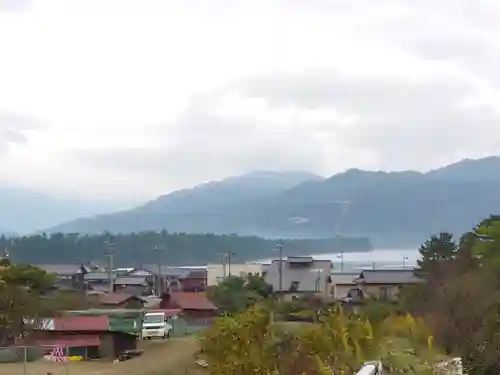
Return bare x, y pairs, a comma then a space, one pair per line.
130, 99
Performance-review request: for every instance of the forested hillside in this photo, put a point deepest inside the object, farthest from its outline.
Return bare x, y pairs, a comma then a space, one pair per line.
391, 208
178, 248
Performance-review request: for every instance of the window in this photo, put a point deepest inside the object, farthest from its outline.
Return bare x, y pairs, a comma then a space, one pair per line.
294, 287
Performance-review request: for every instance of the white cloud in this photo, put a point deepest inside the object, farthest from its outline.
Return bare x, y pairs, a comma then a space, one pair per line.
144, 97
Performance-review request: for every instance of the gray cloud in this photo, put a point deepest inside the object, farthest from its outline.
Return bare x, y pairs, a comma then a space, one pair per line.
389, 122
395, 122
13, 128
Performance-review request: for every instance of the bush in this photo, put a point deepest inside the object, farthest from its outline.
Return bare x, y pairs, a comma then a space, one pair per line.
248, 343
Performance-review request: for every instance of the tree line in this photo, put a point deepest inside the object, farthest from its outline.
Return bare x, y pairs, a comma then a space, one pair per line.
174, 248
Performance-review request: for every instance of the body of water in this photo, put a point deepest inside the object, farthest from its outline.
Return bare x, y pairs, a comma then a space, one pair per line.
375, 259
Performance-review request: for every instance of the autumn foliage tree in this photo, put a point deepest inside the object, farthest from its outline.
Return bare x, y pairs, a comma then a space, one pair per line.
251, 343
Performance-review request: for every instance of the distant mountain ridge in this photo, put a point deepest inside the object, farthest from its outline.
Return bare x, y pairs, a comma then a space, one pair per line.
25, 211
391, 208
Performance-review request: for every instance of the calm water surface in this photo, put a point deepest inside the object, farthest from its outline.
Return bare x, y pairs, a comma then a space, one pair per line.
377, 258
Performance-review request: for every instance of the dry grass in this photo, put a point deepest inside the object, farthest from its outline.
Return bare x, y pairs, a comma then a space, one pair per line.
175, 356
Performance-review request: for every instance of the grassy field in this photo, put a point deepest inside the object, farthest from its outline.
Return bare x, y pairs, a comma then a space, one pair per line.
175, 356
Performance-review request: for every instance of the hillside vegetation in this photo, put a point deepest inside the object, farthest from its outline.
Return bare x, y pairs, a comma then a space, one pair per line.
392, 209
177, 248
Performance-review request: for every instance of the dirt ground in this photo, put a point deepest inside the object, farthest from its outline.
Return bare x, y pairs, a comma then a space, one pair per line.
175, 356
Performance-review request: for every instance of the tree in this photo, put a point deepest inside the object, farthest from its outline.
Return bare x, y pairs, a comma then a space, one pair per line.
26, 275
461, 298
436, 250
236, 293
20, 288
487, 244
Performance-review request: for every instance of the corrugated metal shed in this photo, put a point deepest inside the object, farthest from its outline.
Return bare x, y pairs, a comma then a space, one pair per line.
76, 323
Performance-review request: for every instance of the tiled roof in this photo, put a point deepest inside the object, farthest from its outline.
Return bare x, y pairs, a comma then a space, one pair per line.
116, 298
405, 276
197, 274
192, 301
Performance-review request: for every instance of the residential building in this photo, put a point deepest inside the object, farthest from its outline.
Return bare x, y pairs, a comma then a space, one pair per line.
188, 279
193, 305
385, 283
299, 275
217, 272
342, 283
137, 285
66, 275
98, 281
88, 336
121, 301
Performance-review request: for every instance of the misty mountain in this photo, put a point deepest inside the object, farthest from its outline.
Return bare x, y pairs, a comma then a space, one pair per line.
206, 208
25, 211
391, 208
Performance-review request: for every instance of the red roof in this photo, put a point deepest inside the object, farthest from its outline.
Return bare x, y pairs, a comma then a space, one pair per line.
192, 301
115, 298
69, 341
81, 323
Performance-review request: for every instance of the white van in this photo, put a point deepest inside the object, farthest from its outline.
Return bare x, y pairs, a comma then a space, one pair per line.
155, 325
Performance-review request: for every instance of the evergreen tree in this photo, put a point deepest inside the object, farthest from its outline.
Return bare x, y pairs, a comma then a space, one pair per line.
436, 250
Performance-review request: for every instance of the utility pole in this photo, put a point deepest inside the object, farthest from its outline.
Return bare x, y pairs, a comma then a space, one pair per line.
227, 257
280, 283
224, 266
341, 257
159, 249
405, 258
109, 255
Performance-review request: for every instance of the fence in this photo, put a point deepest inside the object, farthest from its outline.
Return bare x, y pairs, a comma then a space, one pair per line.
26, 360
187, 326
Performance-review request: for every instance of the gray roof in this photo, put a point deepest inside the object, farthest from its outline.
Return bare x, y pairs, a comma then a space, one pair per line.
131, 280
300, 259
97, 276
404, 276
167, 271
61, 269
307, 277
344, 278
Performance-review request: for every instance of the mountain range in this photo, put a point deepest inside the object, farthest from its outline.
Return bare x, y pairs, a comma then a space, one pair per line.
391, 208
24, 211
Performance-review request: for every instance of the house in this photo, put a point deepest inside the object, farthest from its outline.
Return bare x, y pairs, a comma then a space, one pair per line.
98, 281
299, 275
137, 285
342, 283
121, 301
385, 283
193, 305
187, 279
217, 272
66, 275
88, 336
195, 280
